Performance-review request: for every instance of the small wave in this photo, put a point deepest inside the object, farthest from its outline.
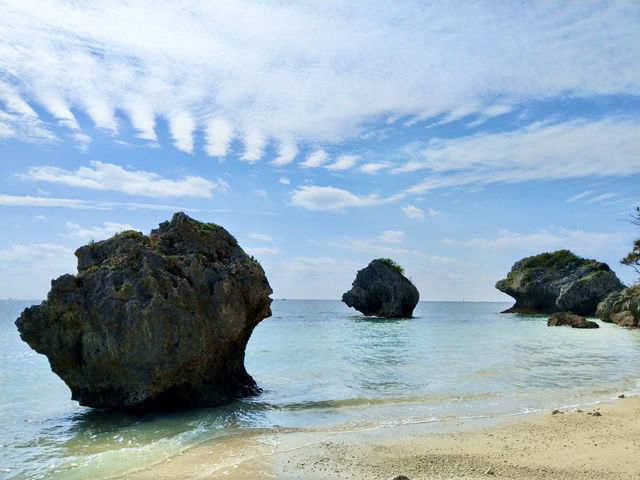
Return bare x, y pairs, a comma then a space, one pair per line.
357, 402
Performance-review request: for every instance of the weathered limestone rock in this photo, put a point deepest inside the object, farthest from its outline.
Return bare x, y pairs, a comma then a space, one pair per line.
570, 320
153, 322
382, 290
558, 282
621, 308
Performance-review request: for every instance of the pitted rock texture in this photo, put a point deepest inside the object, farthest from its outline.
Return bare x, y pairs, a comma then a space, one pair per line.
381, 290
558, 282
621, 308
158, 321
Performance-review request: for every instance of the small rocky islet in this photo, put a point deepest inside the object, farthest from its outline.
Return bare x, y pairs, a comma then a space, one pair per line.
570, 288
381, 290
153, 322
558, 282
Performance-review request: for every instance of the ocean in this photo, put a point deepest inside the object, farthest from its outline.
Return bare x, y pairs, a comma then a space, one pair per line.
323, 368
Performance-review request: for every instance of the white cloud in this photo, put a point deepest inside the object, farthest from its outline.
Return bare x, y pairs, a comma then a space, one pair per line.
316, 159
287, 153
375, 248
344, 162
284, 180
413, 212
96, 233
540, 151
254, 143
579, 196
182, 126
434, 213
218, 136
30, 201
143, 120
262, 251
312, 197
107, 176
603, 196
261, 236
579, 241
372, 168
392, 236
490, 112
313, 74
40, 217
30, 268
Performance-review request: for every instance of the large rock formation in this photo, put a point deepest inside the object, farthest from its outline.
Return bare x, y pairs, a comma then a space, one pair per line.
621, 308
568, 319
382, 290
558, 282
153, 322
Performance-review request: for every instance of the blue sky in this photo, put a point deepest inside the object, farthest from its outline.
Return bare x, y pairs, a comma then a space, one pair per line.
453, 137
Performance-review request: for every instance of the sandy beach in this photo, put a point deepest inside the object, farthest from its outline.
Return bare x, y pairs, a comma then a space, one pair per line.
597, 442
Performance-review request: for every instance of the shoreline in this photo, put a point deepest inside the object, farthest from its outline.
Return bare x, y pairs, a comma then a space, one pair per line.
569, 445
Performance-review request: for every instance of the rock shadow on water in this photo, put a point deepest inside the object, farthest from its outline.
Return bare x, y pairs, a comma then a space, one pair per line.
381, 320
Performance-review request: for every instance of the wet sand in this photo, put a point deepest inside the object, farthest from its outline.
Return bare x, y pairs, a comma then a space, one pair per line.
598, 442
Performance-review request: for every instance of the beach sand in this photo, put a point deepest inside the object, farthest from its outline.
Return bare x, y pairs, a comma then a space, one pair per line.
598, 442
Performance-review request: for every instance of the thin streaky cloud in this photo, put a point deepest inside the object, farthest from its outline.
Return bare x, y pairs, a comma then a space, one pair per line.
50, 202
540, 151
601, 197
579, 196
107, 176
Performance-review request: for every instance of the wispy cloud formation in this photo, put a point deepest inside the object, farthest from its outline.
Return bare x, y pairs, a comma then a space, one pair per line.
262, 251
96, 233
344, 162
27, 270
578, 196
372, 168
413, 212
312, 197
541, 151
601, 197
50, 202
287, 152
548, 239
392, 236
106, 176
316, 159
218, 136
261, 236
300, 71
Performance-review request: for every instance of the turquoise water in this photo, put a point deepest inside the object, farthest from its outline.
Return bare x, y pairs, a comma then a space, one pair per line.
322, 368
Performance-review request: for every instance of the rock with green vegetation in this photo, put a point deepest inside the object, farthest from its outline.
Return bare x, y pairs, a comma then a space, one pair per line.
621, 308
153, 322
568, 319
558, 282
382, 290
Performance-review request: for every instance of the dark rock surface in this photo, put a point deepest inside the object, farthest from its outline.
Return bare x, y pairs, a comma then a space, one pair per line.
569, 319
381, 290
153, 322
621, 308
558, 282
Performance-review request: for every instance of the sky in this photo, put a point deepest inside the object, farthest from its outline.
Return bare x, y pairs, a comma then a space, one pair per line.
453, 137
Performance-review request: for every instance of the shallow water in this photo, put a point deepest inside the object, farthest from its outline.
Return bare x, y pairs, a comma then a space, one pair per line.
322, 367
